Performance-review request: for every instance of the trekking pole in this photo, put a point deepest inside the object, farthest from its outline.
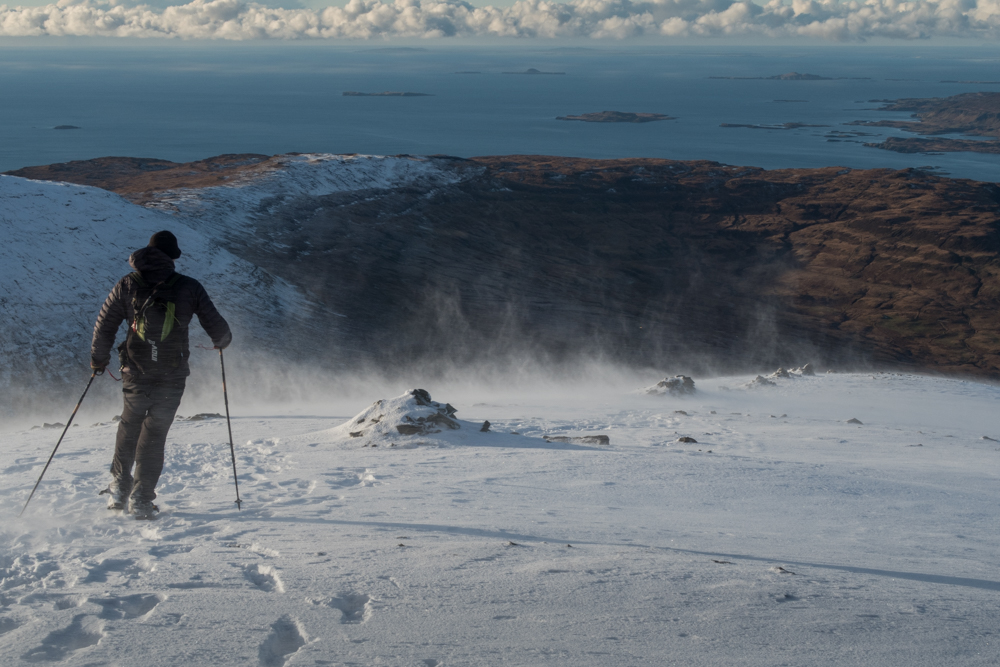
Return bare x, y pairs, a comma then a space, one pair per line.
232, 450
92, 376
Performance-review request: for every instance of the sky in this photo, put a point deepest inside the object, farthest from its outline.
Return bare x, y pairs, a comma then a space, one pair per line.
605, 20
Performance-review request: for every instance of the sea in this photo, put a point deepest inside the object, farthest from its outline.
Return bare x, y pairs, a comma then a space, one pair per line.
184, 101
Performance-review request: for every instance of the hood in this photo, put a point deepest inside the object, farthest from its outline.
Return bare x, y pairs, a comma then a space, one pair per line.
153, 264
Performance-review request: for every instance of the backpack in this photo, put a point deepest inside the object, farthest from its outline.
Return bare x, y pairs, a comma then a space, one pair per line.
153, 347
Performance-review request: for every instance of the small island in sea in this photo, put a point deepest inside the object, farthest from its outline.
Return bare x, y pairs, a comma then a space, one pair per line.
617, 117
788, 76
532, 71
971, 114
779, 126
792, 76
388, 93
65, 127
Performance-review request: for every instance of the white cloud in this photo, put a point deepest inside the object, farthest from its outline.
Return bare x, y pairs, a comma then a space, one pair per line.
833, 20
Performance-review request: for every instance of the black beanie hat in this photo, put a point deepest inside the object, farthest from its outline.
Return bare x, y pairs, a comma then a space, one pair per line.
166, 242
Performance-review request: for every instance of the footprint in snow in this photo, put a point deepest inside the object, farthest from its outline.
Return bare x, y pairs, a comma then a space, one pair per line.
99, 574
132, 606
355, 607
7, 625
285, 639
84, 631
69, 602
264, 577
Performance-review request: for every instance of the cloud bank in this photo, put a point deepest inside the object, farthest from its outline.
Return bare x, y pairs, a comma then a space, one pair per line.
831, 20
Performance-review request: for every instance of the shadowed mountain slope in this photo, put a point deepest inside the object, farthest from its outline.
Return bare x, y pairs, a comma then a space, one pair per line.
685, 265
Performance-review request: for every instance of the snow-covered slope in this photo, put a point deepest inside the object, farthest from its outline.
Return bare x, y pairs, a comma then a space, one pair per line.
785, 535
227, 209
62, 249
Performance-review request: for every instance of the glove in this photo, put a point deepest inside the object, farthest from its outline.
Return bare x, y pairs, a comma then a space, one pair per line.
224, 342
98, 370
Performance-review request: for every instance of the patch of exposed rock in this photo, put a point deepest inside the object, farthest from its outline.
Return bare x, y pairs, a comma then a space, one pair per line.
579, 440
678, 385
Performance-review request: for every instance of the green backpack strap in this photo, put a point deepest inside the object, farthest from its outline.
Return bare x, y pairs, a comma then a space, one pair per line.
170, 317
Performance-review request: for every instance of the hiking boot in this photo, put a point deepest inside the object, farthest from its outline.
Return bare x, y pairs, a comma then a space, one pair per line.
142, 509
117, 493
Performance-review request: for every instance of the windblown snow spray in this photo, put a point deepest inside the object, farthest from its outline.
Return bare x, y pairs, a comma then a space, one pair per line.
68, 424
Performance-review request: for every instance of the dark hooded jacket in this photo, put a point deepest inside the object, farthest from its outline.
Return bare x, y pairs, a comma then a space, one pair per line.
191, 299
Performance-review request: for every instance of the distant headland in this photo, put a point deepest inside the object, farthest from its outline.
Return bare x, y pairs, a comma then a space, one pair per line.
617, 117
971, 114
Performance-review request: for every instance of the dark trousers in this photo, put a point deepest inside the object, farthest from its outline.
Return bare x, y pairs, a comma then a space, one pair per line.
142, 435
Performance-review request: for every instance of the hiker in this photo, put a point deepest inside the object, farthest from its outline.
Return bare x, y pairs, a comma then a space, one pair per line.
158, 304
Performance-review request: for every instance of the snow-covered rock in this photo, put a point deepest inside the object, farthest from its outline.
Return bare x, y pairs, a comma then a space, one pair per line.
759, 381
398, 421
772, 379
676, 386
413, 413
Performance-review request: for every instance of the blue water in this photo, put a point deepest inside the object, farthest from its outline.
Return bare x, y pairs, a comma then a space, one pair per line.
184, 101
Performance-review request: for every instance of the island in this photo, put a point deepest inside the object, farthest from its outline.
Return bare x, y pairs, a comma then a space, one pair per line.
788, 76
65, 127
388, 93
532, 71
781, 126
971, 114
793, 76
617, 117
936, 146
